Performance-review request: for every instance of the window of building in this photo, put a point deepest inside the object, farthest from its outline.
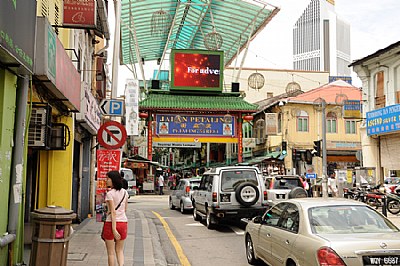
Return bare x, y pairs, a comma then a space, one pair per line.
351, 127
331, 122
380, 98
302, 121
280, 123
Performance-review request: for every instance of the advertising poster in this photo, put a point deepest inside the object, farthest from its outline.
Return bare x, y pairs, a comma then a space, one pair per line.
107, 160
197, 70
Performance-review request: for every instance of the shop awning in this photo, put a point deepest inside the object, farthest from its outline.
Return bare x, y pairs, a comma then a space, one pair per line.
259, 159
282, 156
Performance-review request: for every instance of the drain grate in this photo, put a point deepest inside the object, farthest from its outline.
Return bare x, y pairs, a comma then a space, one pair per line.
77, 256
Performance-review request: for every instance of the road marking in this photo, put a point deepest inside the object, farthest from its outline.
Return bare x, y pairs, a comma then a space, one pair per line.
182, 257
237, 231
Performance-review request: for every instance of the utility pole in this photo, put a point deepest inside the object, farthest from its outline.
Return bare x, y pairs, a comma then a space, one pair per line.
324, 173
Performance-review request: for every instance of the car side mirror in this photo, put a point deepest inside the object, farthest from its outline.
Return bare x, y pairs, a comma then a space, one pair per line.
257, 220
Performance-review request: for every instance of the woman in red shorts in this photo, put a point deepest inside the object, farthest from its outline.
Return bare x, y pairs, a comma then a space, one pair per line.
116, 226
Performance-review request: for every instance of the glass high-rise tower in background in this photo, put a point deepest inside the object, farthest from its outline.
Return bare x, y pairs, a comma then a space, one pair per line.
321, 41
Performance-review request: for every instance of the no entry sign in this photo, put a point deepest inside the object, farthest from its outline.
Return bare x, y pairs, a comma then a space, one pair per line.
111, 135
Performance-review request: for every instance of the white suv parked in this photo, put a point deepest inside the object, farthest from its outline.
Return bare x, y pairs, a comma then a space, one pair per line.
231, 192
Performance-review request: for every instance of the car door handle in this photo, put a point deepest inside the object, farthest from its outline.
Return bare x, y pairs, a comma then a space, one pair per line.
287, 242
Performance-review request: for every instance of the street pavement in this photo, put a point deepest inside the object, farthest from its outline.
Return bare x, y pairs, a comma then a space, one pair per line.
142, 246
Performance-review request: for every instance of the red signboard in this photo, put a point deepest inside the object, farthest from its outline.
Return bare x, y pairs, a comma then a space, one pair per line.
80, 13
107, 160
68, 79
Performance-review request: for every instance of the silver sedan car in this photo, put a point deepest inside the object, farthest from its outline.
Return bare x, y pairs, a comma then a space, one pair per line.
317, 231
181, 195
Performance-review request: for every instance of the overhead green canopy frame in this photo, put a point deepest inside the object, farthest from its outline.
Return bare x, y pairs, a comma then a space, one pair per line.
151, 28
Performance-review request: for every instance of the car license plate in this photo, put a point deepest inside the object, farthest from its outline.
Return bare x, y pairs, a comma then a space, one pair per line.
381, 260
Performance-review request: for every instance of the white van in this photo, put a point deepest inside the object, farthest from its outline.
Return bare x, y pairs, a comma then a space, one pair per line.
129, 176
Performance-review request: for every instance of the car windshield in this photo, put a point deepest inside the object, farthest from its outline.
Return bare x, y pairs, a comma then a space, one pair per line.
287, 183
231, 179
348, 219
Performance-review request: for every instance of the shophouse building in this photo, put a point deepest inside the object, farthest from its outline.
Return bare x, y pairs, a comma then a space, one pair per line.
289, 125
380, 76
51, 82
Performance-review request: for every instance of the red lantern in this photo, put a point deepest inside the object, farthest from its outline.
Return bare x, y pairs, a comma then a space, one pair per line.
248, 117
143, 115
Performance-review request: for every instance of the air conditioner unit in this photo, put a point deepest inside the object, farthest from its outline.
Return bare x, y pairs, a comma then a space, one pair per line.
59, 136
39, 126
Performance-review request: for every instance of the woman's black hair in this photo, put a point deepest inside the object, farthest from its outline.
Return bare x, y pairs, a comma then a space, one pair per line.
116, 179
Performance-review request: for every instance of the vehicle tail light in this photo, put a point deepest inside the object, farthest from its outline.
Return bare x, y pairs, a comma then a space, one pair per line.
265, 195
328, 257
214, 196
187, 190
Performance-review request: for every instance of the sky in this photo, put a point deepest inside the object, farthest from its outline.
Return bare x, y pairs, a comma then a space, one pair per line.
374, 24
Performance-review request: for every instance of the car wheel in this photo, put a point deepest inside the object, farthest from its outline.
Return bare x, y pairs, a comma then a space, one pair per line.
182, 208
297, 192
196, 217
393, 206
210, 220
247, 194
171, 205
251, 258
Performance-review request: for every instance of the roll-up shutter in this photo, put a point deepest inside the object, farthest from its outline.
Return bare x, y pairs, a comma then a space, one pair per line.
390, 155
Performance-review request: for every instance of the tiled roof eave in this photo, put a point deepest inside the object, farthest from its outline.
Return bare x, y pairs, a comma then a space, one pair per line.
198, 109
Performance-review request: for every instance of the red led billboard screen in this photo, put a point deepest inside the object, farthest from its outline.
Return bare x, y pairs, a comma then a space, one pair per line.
197, 70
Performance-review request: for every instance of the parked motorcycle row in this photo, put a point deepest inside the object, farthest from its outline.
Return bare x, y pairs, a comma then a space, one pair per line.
386, 196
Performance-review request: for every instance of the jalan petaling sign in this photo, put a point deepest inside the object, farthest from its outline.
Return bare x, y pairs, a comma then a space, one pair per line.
384, 120
194, 125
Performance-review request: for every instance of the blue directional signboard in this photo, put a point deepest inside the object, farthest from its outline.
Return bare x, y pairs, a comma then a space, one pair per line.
310, 176
112, 107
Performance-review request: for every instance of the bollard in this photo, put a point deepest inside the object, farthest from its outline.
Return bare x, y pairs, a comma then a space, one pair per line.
384, 205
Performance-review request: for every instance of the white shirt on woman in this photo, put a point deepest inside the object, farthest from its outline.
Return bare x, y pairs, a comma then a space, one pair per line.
116, 196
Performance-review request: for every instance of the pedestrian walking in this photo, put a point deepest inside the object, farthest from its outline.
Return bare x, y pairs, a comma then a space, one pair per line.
332, 185
115, 227
161, 184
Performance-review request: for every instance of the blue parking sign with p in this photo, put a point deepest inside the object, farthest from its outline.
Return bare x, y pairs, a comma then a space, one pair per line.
112, 107
116, 107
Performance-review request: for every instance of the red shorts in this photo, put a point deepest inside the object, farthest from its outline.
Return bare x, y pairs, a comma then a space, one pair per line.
122, 228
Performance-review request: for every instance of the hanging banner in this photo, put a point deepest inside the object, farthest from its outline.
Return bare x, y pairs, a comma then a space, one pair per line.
107, 160
132, 107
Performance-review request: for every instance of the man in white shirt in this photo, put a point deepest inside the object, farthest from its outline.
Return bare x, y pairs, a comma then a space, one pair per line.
332, 185
161, 184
